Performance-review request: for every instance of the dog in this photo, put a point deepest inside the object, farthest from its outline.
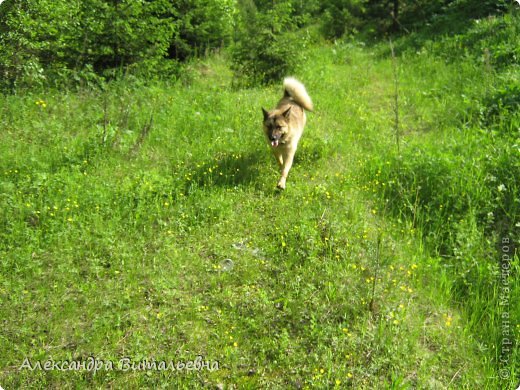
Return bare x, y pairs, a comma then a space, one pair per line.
283, 126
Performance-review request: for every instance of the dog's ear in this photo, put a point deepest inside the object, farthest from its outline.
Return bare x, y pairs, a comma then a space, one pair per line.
287, 112
266, 114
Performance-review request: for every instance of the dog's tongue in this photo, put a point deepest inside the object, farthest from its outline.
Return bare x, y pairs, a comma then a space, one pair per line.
274, 143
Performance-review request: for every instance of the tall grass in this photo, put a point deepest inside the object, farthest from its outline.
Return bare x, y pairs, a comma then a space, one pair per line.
456, 181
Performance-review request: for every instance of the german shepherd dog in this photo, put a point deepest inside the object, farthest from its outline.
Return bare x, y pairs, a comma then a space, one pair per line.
283, 126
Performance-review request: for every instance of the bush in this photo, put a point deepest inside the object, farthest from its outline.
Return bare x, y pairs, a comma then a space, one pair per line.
341, 17
50, 42
201, 25
267, 48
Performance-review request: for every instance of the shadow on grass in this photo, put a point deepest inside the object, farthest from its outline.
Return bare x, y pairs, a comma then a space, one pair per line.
228, 169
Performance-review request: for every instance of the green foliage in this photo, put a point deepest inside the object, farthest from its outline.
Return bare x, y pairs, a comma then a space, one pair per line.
45, 43
433, 17
464, 200
454, 15
456, 181
30, 39
413, 184
59, 42
266, 47
491, 41
119, 33
201, 25
49, 42
500, 110
341, 17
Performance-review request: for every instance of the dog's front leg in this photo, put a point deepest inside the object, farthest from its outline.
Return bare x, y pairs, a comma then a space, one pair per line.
279, 157
288, 157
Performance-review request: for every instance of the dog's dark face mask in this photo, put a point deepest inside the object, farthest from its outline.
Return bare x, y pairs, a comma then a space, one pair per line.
275, 126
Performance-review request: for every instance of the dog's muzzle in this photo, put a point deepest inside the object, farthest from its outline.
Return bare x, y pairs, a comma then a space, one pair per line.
275, 141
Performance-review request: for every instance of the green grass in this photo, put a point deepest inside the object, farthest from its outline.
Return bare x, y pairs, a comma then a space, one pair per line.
119, 210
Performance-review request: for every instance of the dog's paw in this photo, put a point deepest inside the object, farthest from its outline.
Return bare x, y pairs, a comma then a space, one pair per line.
281, 183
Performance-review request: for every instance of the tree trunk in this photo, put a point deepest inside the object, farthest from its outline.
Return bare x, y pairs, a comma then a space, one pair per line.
395, 15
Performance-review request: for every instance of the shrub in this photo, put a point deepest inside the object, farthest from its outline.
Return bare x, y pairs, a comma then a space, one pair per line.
341, 17
44, 42
267, 48
201, 25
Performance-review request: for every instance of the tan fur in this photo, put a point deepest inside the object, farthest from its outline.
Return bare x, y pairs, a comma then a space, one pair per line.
284, 125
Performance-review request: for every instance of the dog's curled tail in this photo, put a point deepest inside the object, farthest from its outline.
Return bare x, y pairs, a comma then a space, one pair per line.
297, 92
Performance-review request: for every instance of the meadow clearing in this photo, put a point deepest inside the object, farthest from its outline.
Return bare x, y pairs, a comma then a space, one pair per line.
141, 221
